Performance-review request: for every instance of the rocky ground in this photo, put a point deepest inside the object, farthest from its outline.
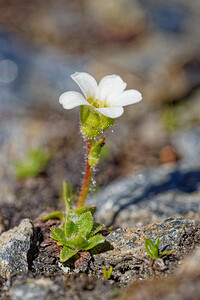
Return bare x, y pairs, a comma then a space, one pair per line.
148, 180
158, 202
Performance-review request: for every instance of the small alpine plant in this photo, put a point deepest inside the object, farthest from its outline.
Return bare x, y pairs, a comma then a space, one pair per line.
153, 249
100, 104
78, 233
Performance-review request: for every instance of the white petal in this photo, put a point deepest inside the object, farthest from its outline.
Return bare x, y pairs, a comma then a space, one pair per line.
109, 87
86, 82
72, 99
128, 97
111, 112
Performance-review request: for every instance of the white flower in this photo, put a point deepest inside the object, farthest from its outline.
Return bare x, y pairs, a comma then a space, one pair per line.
108, 98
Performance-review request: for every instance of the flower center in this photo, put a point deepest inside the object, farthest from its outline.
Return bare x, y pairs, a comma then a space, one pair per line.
96, 103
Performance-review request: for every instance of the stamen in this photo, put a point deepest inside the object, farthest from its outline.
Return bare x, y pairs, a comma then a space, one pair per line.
96, 103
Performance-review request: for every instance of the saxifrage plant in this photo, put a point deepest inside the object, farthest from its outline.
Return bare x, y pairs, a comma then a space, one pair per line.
99, 105
78, 233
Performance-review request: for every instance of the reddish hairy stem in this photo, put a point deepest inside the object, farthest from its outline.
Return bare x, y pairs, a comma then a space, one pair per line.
86, 180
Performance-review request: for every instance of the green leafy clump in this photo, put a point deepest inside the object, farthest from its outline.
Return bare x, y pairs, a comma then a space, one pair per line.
77, 233
107, 273
33, 164
153, 249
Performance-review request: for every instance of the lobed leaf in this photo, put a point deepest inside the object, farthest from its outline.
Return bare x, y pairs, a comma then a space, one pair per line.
70, 229
85, 224
78, 242
94, 241
59, 235
66, 253
72, 216
96, 228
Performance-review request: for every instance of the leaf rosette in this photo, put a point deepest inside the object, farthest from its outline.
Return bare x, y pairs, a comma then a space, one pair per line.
78, 233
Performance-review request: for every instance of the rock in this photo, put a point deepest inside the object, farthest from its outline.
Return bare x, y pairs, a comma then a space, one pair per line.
16, 249
129, 258
152, 195
71, 287
157, 193
185, 285
33, 289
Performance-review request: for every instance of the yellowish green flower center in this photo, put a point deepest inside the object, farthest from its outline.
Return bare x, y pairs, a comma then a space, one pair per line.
96, 103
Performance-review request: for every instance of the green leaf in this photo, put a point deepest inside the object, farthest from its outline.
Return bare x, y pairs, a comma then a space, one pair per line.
151, 249
107, 274
66, 195
70, 229
85, 224
165, 253
54, 215
78, 242
66, 253
96, 228
33, 164
94, 155
157, 242
72, 216
59, 235
94, 241
84, 209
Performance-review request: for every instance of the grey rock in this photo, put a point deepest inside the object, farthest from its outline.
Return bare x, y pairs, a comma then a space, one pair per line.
71, 287
151, 195
33, 289
15, 249
184, 285
157, 193
129, 258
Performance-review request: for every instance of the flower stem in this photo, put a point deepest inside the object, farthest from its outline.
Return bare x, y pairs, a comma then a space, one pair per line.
86, 180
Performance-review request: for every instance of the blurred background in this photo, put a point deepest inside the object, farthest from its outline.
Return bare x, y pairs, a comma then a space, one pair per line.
153, 45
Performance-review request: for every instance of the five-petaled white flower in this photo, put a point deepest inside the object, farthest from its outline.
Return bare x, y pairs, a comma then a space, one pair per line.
108, 98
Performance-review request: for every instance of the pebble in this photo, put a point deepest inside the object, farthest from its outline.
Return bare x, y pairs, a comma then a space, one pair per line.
15, 249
